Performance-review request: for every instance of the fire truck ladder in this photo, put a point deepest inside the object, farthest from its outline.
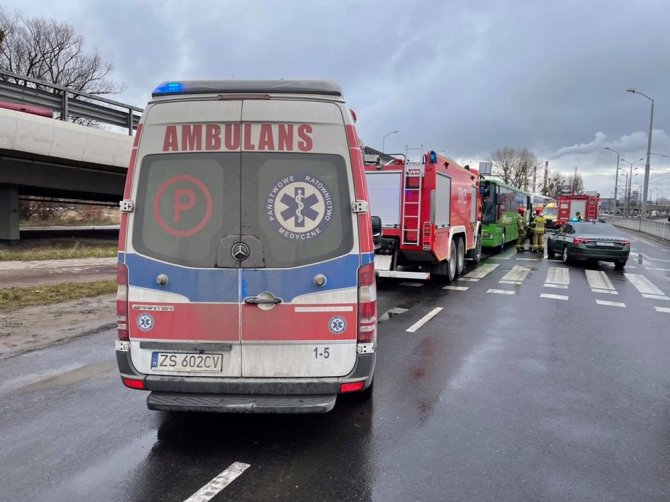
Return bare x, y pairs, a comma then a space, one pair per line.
410, 224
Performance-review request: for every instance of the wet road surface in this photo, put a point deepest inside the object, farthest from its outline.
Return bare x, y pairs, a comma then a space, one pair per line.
535, 381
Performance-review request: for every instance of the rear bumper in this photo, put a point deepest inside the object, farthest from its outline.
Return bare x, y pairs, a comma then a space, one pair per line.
245, 395
581, 254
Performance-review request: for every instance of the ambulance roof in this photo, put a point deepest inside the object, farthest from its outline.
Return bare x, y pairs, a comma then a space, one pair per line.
248, 86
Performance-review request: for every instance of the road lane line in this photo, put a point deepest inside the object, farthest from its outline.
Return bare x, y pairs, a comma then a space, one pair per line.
553, 297
468, 279
518, 274
658, 269
424, 320
643, 285
663, 309
599, 282
558, 276
214, 487
515, 283
456, 288
610, 304
481, 271
605, 291
528, 259
501, 292
556, 286
656, 297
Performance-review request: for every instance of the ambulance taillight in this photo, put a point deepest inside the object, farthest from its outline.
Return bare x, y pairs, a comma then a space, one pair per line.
122, 301
367, 304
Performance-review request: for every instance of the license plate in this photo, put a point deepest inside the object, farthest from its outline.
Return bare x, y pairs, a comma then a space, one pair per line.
190, 363
608, 244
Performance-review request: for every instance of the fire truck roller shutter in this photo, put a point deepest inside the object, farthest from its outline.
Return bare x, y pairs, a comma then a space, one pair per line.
384, 195
443, 201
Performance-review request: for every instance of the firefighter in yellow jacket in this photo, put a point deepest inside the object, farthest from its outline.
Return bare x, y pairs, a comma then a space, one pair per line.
521, 229
538, 225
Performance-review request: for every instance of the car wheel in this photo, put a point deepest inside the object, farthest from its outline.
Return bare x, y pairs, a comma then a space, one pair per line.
565, 257
550, 252
619, 264
460, 257
502, 242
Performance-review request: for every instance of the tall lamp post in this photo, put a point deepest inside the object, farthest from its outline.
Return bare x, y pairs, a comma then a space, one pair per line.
616, 178
630, 179
384, 140
647, 165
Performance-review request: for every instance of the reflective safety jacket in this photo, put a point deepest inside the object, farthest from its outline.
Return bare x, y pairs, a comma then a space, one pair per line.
520, 223
539, 224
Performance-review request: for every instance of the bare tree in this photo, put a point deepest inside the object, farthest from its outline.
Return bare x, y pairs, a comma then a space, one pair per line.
576, 183
52, 51
514, 166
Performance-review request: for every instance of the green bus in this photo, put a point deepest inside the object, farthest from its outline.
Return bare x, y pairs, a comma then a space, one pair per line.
499, 211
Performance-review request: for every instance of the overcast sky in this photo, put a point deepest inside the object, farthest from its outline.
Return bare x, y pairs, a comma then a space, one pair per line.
464, 77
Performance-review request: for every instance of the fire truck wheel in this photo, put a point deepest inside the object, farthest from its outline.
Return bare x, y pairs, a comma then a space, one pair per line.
460, 257
451, 264
476, 253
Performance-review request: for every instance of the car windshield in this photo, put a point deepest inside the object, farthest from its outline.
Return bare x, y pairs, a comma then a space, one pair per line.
550, 211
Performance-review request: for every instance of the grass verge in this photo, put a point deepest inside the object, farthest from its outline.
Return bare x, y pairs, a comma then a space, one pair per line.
16, 298
57, 251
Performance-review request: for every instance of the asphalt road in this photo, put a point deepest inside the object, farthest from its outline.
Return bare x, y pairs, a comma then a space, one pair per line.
550, 391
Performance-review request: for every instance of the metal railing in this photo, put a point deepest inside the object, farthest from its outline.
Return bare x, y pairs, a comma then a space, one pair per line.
659, 229
68, 102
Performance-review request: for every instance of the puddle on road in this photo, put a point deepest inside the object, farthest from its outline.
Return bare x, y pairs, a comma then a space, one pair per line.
393, 312
73, 376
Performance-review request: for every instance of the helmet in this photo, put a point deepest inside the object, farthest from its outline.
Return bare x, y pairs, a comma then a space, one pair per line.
521, 210
538, 211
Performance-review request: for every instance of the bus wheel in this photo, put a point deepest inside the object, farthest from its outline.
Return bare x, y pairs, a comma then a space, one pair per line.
460, 257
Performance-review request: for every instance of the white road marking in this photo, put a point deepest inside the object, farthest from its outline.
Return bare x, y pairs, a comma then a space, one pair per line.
518, 274
480, 272
610, 304
658, 269
528, 259
644, 285
515, 283
663, 309
499, 257
411, 284
501, 292
656, 297
605, 291
553, 297
557, 286
214, 487
456, 288
558, 275
468, 279
423, 320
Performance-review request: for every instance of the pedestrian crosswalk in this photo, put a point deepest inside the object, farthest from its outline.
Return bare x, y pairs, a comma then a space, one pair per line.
557, 284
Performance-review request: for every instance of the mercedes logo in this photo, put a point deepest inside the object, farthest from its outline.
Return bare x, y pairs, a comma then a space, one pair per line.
240, 251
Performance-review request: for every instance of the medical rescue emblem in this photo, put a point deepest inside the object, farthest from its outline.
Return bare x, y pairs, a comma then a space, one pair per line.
338, 325
145, 322
299, 207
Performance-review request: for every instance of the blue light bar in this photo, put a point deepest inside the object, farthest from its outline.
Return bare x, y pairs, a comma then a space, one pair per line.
433, 157
169, 88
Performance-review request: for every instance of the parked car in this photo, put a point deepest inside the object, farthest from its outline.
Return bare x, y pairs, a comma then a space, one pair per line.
589, 241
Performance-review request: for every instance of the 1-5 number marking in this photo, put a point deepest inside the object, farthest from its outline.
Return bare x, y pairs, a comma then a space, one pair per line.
324, 353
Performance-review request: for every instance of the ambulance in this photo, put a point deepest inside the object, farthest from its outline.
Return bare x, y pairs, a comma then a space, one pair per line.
246, 277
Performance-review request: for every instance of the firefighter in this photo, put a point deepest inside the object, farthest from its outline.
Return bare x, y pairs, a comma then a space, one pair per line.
521, 229
538, 225
578, 216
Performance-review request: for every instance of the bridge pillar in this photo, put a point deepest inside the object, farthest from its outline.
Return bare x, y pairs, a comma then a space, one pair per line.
9, 213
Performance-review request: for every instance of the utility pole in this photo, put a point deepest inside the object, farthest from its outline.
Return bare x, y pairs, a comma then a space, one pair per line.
546, 176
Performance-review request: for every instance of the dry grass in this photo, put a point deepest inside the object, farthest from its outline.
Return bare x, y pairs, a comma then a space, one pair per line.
27, 251
16, 298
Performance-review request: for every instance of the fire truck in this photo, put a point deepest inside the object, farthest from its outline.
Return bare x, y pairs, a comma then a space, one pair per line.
430, 212
586, 204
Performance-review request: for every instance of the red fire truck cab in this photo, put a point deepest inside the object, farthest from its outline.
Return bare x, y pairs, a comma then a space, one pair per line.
586, 204
430, 212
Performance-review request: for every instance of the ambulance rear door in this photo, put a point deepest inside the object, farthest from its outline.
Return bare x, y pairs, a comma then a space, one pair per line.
299, 282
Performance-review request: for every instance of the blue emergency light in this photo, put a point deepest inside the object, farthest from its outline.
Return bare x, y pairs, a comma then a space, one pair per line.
169, 88
433, 157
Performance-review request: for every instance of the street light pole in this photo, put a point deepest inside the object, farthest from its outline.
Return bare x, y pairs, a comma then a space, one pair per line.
630, 180
384, 140
647, 166
616, 178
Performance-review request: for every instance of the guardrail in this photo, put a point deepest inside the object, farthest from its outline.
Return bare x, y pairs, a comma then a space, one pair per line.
68, 102
659, 229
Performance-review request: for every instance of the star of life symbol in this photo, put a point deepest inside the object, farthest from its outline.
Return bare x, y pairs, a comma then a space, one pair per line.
299, 207
337, 325
145, 322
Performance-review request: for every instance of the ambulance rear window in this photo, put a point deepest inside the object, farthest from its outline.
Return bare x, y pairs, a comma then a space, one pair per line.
188, 205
